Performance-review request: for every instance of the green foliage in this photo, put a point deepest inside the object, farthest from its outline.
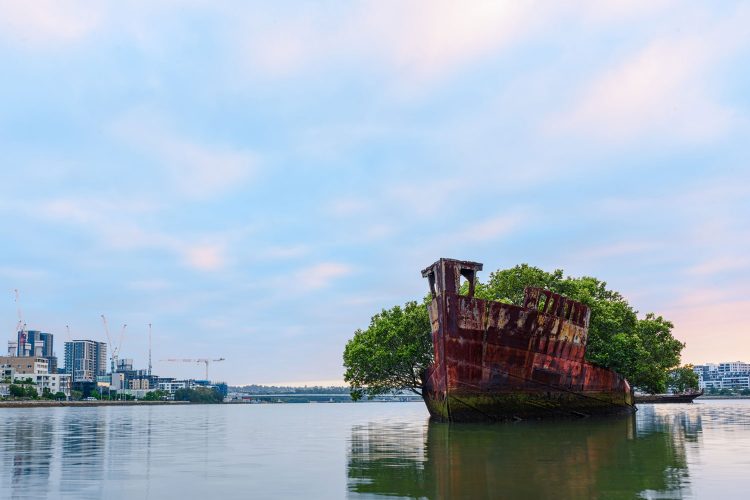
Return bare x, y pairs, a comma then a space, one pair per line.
22, 391
391, 354
17, 391
507, 285
683, 379
156, 395
59, 396
394, 351
76, 395
202, 395
642, 350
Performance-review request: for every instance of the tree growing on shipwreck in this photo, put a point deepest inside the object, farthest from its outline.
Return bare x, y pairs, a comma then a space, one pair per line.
394, 351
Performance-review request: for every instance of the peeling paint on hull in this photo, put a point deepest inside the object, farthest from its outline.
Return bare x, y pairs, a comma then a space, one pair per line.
496, 361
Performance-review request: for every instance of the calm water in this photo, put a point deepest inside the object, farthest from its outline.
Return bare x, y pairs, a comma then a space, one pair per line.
370, 451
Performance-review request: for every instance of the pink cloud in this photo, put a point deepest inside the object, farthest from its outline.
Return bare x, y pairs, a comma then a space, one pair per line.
713, 332
320, 275
419, 40
47, 23
663, 88
205, 257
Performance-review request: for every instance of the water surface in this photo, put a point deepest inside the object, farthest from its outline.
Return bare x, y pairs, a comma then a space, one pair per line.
377, 450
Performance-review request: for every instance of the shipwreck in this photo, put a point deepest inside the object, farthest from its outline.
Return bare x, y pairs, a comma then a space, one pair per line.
496, 361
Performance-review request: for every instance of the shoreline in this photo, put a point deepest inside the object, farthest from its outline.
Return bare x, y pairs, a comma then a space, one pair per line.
47, 404
706, 396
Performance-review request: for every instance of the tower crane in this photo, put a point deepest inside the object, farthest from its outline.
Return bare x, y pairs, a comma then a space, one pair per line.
206, 361
21, 327
115, 348
149, 349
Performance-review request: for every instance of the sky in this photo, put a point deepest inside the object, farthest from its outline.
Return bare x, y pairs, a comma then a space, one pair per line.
256, 180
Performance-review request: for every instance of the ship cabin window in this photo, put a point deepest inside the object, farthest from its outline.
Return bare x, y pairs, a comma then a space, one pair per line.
549, 307
542, 301
431, 279
467, 276
566, 310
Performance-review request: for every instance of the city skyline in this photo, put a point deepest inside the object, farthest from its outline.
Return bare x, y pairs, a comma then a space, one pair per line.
257, 181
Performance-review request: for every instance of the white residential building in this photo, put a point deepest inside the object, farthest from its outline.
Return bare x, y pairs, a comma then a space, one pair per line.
55, 382
730, 375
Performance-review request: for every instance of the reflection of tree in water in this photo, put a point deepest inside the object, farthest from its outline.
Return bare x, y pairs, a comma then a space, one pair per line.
564, 459
389, 459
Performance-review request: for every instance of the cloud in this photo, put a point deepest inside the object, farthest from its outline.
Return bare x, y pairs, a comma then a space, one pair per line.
425, 197
319, 275
492, 228
115, 225
712, 330
282, 252
149, 285
21, 274
197, 170
663, 89
205, 257
719, 265
417, 41
348, 207
47, 23
617, 250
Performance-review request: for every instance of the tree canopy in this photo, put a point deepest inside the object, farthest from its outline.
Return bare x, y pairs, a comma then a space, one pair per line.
391, 354
643, 350
199, 395
156, 395
394, 351
683, 379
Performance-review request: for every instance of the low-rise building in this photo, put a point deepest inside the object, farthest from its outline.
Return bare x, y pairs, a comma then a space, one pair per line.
171, 386
29, 365
730, 375
55, 382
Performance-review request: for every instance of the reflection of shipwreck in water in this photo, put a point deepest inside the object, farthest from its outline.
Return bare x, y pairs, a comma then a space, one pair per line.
496, 361
615, 457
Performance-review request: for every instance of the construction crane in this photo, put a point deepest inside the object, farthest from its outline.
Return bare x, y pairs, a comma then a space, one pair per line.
21, 327
115, 348
200, 360
149, 349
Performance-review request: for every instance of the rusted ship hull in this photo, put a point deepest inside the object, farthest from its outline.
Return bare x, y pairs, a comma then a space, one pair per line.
496, 361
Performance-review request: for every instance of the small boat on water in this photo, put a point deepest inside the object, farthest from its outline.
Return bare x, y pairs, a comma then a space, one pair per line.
496, 361
687, 397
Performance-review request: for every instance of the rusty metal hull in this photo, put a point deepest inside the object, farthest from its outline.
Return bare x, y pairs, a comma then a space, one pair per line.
496, 361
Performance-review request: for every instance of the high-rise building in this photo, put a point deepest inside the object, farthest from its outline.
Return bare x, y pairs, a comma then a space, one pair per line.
85, 360
37, 344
